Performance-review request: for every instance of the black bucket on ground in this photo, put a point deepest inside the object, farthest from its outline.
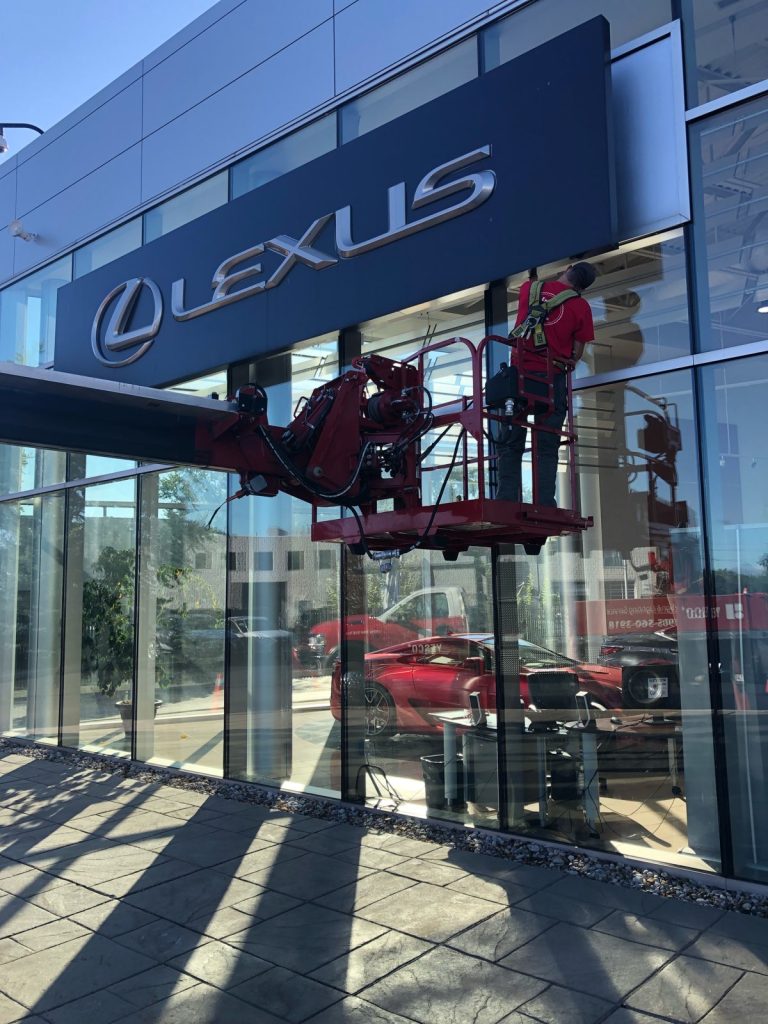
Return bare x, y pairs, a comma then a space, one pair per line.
433, 771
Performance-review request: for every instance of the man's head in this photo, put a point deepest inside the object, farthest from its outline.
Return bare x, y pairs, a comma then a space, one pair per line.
580, 276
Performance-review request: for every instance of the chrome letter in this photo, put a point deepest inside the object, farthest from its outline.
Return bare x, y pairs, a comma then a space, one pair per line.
221, 284
299, 250
427, 191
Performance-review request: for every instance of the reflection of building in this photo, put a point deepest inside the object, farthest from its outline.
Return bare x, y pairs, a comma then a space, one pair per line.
671, 439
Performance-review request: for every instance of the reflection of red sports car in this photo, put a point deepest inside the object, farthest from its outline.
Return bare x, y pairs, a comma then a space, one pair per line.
405, 683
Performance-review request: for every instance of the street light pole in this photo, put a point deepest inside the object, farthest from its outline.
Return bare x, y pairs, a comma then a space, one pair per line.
15, 124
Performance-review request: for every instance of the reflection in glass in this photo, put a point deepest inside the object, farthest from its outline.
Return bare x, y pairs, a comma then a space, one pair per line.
639, 304
447, 375
31, 559
28, 315
283, 589
83, 466
188, 206
736, 484
183, 625
23, 469
109, 247
422, 641
425, 607
101, 570
729, 41
203, 387
733, 279
284, 155
537, 23
621, 599
412, 89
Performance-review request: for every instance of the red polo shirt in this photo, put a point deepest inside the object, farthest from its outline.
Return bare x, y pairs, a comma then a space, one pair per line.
568, 323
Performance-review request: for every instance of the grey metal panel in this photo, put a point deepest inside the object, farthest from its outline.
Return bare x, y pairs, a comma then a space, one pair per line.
91, 203
6, 255
194, 28
253, 106
37, 144
651, 146
232, 46
7, 213
7, 198
372, 34
9, 165
94, 141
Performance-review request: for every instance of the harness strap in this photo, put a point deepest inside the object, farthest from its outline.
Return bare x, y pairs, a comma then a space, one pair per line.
538, 311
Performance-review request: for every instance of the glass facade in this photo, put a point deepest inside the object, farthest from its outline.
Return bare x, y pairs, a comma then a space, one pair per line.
189, 205
410, 90
28, 315
284, 155
144, 622
109, 247
736, 609
732, 197
538, 22
639, 305
183, 620
728, 46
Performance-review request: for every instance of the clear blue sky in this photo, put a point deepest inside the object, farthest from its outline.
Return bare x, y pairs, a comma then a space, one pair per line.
55, 54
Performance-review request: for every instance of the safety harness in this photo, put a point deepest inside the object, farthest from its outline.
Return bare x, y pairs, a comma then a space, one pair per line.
538, 311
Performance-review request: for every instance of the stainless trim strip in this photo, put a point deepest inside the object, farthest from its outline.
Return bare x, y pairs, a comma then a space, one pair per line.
690, 362
723, 355
731, 100
105, 478
619, 376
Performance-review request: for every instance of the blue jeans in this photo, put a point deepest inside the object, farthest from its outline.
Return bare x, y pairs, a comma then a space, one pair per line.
511, 437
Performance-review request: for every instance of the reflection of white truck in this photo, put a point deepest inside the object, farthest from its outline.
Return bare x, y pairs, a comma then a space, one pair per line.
433, 611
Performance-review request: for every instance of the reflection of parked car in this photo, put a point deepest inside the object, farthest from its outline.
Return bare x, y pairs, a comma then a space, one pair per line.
405, 683
440, 610
648, 663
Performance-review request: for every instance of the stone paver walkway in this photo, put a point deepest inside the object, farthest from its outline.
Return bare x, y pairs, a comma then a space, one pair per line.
123, 901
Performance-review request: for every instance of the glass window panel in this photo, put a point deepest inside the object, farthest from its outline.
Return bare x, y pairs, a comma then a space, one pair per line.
639, 304
183, 624
283, 731
109, 247
448, 372
188, 206
730, 46
732, 226
28, 315
31, 577
736, 485
284, 155
82, 466
99, 654
24, 469
203, 387
410, 90
421, 602
619, 600
539, 22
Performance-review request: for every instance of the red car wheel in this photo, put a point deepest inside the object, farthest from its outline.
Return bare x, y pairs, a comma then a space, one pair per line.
380, 714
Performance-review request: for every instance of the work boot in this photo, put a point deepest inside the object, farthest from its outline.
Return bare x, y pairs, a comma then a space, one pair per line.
533, 547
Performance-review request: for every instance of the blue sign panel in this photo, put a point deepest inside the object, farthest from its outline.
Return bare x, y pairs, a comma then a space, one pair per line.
511, 170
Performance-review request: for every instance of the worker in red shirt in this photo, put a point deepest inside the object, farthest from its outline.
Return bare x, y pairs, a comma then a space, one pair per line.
564, 331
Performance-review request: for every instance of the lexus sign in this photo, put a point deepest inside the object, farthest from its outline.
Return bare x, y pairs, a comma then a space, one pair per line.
240, 276
512, 170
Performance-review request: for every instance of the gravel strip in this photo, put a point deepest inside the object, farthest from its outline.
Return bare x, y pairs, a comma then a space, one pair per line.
521, 851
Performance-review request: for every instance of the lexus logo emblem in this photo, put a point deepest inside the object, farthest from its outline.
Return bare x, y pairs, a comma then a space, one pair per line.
115, 338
